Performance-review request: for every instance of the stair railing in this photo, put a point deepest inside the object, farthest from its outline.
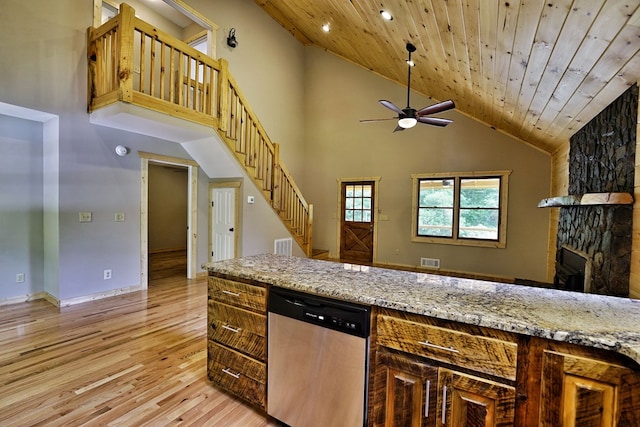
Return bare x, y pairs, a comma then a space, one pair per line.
131, 61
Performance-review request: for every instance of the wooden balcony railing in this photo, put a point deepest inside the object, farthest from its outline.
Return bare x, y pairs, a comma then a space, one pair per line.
131, 61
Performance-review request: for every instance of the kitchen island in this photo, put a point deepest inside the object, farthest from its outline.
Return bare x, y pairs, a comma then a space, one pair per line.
547, 354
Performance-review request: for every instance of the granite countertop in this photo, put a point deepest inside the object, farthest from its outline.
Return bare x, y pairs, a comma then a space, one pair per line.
610, 323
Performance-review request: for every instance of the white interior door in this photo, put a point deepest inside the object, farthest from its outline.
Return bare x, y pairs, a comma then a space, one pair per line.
224, 223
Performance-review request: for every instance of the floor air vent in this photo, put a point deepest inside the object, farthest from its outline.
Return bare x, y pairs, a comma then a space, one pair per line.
282, 246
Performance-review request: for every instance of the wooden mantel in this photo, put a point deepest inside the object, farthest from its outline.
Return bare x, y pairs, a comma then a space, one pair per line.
588, 199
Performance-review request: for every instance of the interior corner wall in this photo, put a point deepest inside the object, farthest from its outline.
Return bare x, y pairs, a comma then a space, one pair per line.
634, 274
21, 207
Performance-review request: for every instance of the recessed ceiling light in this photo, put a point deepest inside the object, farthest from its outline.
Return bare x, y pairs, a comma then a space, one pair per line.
386, 15
326, 28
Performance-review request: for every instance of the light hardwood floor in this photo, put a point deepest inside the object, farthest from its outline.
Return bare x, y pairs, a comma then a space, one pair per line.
130, 360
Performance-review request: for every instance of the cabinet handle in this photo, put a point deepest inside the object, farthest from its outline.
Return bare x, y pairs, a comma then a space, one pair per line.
233, 294
228, 372
229, 328
426, 400
439, 347
444, 405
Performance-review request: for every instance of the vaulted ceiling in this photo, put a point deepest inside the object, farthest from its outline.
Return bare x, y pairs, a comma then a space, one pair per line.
535, 69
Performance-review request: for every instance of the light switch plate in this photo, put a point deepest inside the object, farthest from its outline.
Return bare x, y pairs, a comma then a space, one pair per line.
84, 216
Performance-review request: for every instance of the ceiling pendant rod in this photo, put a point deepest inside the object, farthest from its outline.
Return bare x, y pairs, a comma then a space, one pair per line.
410, 48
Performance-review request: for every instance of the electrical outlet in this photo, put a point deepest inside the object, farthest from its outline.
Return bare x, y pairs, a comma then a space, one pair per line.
84, 216
20, 278
107, 274
119, 217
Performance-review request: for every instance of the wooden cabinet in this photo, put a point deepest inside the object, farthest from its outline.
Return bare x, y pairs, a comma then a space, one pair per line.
432, 374
236, 338
468, 401
406, 394
577, 390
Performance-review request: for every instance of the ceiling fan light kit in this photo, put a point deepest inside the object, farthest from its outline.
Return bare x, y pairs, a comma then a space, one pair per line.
409, 117
407, 122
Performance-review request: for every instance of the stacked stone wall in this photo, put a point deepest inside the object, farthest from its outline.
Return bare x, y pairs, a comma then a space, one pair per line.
602, 160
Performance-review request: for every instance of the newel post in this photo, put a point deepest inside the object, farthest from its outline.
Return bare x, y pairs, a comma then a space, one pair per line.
277, 172
125, 63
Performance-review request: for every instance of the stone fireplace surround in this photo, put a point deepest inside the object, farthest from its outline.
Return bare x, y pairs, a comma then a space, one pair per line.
601, 160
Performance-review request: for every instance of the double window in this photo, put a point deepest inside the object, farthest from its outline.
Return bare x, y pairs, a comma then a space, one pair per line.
461, 208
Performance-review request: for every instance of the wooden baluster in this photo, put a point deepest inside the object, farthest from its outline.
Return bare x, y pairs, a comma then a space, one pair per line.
223, 92
163, 59
152, 67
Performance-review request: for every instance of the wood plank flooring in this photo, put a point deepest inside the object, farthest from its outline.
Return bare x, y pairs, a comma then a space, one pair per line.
137, 359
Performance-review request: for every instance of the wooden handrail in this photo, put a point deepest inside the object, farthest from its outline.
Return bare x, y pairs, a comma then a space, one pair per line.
132, 61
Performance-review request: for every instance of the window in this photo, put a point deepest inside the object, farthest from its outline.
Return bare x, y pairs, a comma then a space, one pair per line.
357, 202
461, 208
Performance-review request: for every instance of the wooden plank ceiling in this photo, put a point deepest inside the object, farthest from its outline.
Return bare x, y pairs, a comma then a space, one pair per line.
536, 69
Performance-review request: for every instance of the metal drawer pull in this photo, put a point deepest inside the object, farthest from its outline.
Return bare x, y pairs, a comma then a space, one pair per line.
426, 400
444, 405
439, 347
229, 328
233, 294
228, 372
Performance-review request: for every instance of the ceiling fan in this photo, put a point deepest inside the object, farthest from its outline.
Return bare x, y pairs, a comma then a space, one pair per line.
408, 117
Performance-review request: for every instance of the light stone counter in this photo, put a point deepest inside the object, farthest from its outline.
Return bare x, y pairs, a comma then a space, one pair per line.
609, 323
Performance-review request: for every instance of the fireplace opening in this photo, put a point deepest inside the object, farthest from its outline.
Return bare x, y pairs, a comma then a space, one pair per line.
571, 269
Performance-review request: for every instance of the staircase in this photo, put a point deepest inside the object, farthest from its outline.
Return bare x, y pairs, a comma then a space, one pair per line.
130, 61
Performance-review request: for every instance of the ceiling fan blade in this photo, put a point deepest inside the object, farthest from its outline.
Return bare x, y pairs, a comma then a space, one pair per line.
435, 121
377, 120
436, 108
390, 105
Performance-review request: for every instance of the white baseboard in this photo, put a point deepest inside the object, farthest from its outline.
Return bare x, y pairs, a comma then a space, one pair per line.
23, 298
92, 297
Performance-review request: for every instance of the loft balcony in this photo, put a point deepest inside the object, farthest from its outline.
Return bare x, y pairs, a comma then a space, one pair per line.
137, 69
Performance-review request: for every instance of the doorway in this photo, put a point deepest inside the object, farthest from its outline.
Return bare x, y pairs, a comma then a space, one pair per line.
224, 220
192, 209
358, 219
168, 205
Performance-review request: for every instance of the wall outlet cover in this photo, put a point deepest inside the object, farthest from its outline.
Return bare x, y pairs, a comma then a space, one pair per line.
85, 216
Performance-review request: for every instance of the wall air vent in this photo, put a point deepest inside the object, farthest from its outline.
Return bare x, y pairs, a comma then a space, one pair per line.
429, 262
282, 246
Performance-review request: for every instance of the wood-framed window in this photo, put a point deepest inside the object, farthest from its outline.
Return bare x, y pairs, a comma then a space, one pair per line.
460, 208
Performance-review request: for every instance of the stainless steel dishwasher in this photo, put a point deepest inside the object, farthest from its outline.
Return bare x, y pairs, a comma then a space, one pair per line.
317, 360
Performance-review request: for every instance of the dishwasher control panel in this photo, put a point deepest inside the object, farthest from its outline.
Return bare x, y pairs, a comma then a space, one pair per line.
342, 316
333, 321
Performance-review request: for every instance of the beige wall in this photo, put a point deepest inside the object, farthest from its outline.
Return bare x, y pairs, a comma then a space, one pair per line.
339, 94
168, 207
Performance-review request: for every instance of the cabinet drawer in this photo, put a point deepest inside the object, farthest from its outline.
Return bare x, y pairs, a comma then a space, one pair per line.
481, 354
239, 294
238, 374
240, 329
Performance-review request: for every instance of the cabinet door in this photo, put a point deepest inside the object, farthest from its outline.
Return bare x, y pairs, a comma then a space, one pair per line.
467, 401
578, 391
405, 392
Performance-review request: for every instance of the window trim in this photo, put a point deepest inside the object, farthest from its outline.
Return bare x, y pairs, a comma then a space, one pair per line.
455, 240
